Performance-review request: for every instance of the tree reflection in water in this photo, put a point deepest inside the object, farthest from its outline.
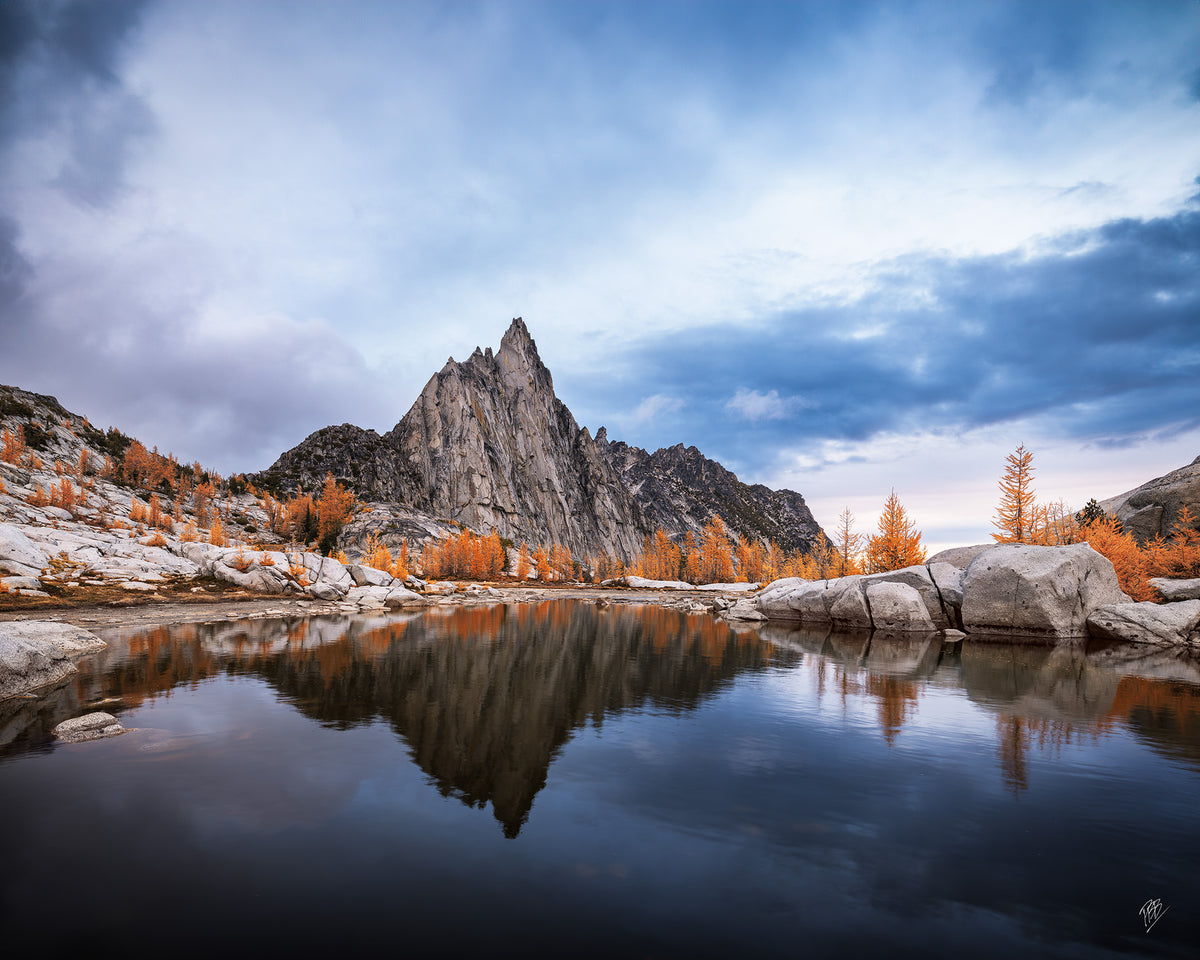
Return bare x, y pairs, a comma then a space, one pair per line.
485, 696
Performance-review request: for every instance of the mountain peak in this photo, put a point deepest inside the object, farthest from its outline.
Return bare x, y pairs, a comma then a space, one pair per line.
517, 338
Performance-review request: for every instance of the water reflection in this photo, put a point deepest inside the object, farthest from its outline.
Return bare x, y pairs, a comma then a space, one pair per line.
671, 787
486, 696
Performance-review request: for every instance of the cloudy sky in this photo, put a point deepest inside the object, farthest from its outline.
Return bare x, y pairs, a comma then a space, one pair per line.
841, 247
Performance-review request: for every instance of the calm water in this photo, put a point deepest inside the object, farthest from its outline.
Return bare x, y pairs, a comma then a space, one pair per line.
553, 779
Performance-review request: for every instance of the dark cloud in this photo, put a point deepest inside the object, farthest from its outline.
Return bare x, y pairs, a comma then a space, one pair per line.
14, 268
59, 77
1097, 338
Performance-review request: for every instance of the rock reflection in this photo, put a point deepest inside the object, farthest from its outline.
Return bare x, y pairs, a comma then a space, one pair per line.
484, 696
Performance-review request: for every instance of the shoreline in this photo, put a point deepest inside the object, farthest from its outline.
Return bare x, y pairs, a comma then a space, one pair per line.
132, 611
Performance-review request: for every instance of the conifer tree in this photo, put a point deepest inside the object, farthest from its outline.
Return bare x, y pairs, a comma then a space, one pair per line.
848, 544
1017, 515
898, 542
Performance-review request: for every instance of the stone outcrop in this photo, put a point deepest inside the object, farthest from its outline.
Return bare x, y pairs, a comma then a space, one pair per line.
1047, 591
960, 557
1004, 589
1152, 509
489, 445
40, 653
1175, 590
897, 607
850, 602
18, 554
91, 726
1167, 623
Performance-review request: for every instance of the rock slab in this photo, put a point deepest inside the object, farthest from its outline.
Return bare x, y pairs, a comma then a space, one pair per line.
91, 726
1165, 624
1045, 591
38, 653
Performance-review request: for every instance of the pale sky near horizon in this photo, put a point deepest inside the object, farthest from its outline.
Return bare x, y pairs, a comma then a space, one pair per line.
839, 247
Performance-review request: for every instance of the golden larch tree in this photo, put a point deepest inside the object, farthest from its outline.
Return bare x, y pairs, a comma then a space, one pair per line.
1017, 516
898, 542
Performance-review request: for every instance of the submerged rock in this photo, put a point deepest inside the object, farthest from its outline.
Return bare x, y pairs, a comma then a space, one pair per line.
91, 726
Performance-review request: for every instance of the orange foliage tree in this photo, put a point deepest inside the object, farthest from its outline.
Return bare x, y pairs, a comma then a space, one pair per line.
1128, 559
465, 554
898, 542
716, 559
14, 449
1179, 556
660, 559
541, 563
1017, 516
334, 507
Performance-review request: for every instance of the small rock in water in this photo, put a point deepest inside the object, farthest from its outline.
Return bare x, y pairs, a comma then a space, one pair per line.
91, 726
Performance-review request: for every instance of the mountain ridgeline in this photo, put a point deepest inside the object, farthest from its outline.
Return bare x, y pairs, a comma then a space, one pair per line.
489, 445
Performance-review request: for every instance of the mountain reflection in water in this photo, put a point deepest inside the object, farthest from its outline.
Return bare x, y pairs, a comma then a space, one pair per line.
486, 695
664, 785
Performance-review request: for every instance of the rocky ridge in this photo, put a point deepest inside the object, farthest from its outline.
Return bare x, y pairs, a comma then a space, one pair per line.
489, 445
1152, 509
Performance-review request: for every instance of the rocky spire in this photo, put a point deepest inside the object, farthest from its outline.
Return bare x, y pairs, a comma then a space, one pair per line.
488, 444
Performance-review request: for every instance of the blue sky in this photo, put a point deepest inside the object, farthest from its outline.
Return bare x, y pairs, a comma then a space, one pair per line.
841, 247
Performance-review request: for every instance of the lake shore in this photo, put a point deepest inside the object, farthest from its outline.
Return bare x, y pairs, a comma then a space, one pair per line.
194, 608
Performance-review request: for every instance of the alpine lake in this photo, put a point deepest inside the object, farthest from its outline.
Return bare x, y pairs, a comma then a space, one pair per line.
558, 779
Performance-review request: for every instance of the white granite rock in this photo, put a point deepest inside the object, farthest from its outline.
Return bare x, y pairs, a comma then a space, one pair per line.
1047, 591
1167, 624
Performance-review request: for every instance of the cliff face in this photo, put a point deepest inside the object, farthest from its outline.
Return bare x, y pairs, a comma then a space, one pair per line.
489, 445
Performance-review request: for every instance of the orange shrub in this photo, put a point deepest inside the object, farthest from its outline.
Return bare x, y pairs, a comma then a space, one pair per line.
1128, 559
239, 561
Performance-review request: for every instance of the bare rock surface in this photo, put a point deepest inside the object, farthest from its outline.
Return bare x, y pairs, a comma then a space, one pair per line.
1176, 590
18, 554
960, 557
1046, 591
1153, 508
898, 607
38, 653
91, 726
1167, 624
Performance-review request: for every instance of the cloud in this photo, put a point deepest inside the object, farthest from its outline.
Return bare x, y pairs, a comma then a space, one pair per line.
1095, 339
753, 405
654, 408
66, 103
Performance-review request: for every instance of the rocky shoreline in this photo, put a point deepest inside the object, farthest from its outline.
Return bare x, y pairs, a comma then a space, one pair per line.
1002, 593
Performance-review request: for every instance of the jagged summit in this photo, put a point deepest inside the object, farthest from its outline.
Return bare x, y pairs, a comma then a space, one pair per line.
488, 444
